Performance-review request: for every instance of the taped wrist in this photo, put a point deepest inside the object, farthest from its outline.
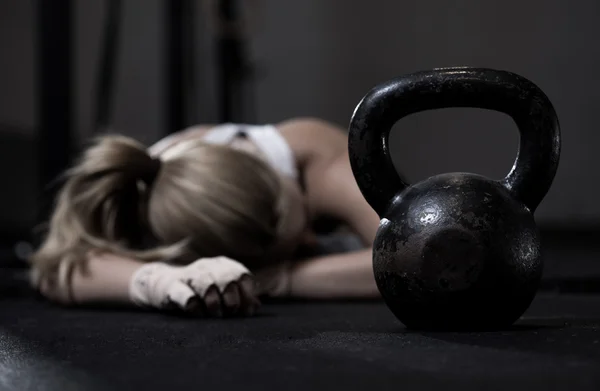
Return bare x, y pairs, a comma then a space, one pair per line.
144, 287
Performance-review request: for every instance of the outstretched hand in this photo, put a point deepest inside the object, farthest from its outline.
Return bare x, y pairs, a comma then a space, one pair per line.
211, 287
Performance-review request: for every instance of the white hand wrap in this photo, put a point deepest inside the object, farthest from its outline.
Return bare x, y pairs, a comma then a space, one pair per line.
160, 285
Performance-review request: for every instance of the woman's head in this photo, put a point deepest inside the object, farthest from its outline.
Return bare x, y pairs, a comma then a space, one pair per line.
198, 200
223, 201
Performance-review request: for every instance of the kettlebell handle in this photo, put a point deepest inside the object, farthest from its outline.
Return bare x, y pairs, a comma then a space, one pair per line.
539, 147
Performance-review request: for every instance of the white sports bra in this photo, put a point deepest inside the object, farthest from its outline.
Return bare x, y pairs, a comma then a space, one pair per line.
267, 139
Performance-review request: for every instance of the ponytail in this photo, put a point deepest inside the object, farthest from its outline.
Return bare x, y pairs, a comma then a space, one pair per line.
204, 200
103, 206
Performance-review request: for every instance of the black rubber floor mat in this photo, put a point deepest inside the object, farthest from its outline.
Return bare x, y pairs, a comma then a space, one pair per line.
301, 346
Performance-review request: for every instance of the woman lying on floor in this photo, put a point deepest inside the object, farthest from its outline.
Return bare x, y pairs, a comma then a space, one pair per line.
207, 220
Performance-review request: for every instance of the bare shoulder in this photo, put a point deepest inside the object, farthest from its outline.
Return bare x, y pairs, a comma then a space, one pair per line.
314, 138
332, 191
330, 186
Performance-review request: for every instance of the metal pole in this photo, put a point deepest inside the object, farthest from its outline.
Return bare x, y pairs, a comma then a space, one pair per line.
227, 61
54, 105
179, 55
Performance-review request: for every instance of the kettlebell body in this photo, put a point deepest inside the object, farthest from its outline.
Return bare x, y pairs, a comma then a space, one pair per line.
457, 250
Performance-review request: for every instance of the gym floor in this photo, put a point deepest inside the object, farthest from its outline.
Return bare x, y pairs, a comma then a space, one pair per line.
311, 346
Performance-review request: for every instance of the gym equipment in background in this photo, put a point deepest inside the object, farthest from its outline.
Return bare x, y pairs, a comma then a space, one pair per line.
457, 250
54, 95
179, 78
234, 68
180, 100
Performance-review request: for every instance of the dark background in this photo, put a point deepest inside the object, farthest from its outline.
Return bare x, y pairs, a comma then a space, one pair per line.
317, 58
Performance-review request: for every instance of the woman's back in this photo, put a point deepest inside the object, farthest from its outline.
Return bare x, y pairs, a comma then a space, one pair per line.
246, 195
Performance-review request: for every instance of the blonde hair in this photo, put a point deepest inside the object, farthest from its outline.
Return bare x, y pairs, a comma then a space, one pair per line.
204, 200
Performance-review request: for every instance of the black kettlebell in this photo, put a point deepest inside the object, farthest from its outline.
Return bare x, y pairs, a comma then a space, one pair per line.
457, 250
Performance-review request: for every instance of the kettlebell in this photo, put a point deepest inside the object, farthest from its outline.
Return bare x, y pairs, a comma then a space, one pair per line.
456, 251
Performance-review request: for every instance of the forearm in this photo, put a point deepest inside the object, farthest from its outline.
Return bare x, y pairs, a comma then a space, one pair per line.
209, 286
105, 279
339, 276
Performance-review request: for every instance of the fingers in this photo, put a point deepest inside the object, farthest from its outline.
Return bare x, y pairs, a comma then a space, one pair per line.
232, 299
182, 296
212, 302
238, 298
200, 282
222, 270
215, 287
249, 300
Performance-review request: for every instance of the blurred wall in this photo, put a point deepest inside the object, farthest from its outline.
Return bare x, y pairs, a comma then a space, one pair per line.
138, 92
138, 105
17, 167
323, 56
16, 65
318, 58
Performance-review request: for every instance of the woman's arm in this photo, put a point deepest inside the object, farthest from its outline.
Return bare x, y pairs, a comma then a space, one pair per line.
104, 279
338, 276
332, 191
210, 286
